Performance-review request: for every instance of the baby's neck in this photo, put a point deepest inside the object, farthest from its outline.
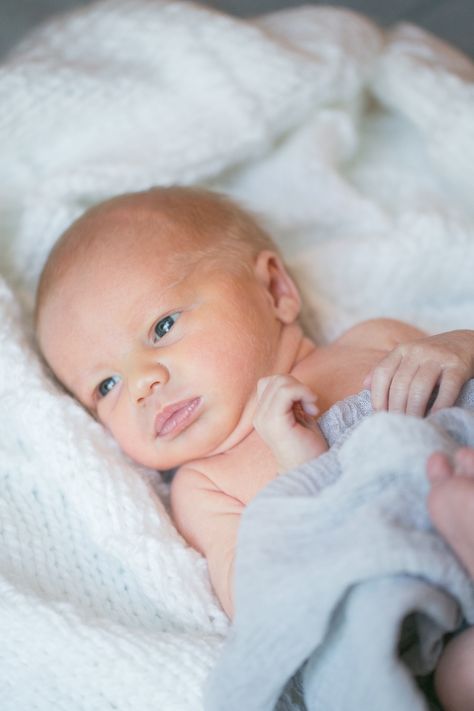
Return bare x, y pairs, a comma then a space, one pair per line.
294, 347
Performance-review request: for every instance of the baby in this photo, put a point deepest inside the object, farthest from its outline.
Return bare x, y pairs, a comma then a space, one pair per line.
170, 315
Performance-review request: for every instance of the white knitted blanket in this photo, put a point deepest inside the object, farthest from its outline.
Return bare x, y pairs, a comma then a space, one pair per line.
357, 149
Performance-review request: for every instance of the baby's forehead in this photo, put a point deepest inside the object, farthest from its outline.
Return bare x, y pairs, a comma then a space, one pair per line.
131, 232
114, 243
136, 225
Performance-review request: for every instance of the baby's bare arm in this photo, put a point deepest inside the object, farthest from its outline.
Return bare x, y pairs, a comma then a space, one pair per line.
208, 519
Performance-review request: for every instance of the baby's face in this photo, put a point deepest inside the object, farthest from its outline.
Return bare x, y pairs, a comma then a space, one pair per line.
167, 357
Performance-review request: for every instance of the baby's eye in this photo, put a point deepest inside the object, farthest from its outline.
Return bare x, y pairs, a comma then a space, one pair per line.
106, 385
165, 325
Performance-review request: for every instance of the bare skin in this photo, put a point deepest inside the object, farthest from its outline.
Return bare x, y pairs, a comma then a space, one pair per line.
451, 501
454, 679
451, 506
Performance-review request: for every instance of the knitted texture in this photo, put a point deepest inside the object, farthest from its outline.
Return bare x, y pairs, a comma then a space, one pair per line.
355, 147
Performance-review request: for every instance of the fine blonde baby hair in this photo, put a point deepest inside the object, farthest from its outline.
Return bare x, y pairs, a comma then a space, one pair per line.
224, 229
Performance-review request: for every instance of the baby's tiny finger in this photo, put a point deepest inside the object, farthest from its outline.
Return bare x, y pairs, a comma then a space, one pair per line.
262, 385
310, 408
303, 416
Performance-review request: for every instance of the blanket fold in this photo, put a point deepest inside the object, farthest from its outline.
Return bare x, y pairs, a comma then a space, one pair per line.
335, 558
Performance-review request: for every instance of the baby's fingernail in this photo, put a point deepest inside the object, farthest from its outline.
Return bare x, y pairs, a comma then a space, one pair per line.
310, 408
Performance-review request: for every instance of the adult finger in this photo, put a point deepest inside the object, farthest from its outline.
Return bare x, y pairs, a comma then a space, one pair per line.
421, 388
400, 386
450, 385
381, 378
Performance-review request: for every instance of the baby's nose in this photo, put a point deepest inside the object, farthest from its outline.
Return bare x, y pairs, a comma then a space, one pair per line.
146, 379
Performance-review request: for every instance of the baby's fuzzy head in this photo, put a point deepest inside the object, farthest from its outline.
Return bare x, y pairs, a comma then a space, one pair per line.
159, 311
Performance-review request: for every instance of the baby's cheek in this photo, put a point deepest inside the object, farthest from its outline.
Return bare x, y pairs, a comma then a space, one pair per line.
124, 431
140, 452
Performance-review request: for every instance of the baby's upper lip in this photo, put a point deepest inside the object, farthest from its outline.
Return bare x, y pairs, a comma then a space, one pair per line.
167, 413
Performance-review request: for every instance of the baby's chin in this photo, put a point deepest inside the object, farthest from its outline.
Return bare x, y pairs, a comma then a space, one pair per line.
170, 463
151, 460
237, 434
239, 429
198, 445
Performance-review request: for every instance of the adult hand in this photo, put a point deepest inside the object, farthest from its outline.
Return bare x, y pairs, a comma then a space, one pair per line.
405, 380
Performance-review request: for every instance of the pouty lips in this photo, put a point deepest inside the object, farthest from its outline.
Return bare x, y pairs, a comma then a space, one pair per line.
174, 418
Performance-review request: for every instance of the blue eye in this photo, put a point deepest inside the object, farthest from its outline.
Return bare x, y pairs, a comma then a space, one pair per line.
165, 325
106, 385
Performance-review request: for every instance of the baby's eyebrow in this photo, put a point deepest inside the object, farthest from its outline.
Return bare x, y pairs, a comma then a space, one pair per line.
160, 305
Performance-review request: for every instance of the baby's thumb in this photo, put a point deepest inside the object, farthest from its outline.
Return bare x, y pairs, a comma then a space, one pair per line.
367, 380
262, 385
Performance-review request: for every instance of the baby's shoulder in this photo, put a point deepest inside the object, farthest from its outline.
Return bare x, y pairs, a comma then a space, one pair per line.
191, 480
379, 333
239, 473
197, 502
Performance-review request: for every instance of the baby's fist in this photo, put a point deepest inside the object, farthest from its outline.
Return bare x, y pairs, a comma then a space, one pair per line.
279, 399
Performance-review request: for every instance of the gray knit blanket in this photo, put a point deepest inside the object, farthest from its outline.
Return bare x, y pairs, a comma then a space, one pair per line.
341, 581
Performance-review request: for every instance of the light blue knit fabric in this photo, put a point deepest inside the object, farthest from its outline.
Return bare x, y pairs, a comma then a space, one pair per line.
333, 559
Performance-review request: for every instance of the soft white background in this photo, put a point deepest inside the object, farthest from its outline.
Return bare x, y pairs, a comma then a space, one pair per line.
451, 19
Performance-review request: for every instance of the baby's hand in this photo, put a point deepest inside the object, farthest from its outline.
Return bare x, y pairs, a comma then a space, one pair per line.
406, 378
280, 398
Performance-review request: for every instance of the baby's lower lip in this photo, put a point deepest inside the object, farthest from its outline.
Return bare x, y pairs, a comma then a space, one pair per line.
175, 418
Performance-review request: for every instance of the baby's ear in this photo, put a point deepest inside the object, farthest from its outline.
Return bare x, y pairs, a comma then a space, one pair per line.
272, 273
